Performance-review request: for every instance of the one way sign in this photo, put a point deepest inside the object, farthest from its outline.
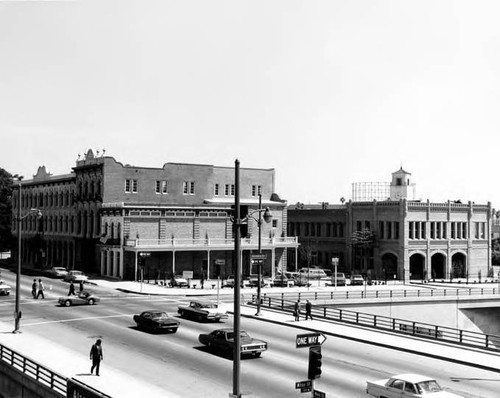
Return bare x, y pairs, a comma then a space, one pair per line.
310, 339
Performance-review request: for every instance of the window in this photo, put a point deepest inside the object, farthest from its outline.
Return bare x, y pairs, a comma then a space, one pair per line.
412, 230
229, 190
158, 187
164, 187
396, 230
358, 225
464, 230
275, 223
433, 230
188, 188
389, 231
256, 190
381, 229
131, 186
216, 189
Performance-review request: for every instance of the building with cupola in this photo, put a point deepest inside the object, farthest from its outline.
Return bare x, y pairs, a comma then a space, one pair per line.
126, 221
385, 233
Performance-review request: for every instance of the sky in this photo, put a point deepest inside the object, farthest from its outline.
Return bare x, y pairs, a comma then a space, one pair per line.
327, 93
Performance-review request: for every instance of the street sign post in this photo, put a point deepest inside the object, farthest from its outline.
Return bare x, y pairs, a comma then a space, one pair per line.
318, 394
303, 384
309, 339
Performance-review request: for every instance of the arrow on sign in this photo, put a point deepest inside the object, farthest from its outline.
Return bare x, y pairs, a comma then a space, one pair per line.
310, 339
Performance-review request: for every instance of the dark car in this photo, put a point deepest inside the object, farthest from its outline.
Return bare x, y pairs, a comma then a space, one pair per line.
222, 340
156, 321
202, 311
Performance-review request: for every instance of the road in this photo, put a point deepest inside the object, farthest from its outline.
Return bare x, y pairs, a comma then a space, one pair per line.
180, 365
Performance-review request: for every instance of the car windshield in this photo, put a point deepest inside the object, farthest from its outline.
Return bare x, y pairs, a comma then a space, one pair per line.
243, 334
428, 386
209, 305
159, 315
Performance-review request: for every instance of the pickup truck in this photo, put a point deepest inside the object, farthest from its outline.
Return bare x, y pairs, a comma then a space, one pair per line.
407, 385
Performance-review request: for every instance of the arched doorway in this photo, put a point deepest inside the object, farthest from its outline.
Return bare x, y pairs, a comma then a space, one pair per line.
458, 265
389, 266
417, 266
438, 266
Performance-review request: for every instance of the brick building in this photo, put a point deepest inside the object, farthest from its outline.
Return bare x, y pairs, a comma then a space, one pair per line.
396, 238
114, 219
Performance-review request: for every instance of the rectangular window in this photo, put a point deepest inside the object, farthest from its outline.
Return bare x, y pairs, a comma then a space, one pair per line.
381, 229
417, 230
422, 230
216, 190
483, 230
367, 224
433, 230
191, 187
396, 230
318, 229
297, 229
445, 233
164, 187
185, 188
275, 223
134, 186
411, 230
389, 230
229, 190
476, 232
358, 225
464, 230
453, 230
158, 187
127, 186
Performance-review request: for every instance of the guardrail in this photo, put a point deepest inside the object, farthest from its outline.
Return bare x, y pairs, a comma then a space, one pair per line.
385, 294
396, 325
34, 370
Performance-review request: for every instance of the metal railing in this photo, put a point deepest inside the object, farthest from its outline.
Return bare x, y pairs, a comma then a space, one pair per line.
396, 325
34, 370
385, 294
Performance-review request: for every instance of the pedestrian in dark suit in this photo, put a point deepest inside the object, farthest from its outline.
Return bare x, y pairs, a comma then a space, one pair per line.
40, 289
308, 310
81, 286
297, 310
71, 289
96, 356
34, 288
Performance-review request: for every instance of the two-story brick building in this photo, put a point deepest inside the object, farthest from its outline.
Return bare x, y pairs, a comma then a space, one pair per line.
406, 238
113, 219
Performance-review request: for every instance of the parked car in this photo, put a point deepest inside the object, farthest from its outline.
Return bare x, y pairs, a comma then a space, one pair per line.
282, 281
75, 276
57, 272
222, 340
178, 281
357, 279
202, 311
341, 281
253, 281
156, 321
228, 282
407, 385
83, 298
4, 288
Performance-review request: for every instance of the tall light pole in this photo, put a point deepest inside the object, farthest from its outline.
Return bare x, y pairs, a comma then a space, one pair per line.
238, 222
267, 218
17, 312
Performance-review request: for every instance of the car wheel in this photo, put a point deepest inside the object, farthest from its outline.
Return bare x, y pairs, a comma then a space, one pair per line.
91, 302
67, 303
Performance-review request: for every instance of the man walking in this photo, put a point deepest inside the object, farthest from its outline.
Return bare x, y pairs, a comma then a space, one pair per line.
71, 289
308, 310
296, 310
96, 356
40, 289
34, 288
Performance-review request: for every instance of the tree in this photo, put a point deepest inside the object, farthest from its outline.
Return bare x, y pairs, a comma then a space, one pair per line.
306, 250
6, 238
363, 243
495, 252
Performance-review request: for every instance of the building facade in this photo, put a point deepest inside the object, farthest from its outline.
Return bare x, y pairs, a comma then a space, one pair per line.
125, 221
397, 238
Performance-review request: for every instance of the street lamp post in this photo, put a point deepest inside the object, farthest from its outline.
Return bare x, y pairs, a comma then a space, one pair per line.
238, 222
17, 312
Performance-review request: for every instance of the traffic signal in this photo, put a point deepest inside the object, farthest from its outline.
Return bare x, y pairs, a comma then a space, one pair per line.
315, 356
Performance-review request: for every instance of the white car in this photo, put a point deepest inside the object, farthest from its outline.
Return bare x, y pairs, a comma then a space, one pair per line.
75, 276
57, 272
4, 288
407, 385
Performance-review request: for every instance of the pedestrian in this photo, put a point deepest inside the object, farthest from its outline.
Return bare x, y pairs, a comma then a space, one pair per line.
202, 281
308, 310
34, 288
96, 356
296, 311
40, 289
71, 289
81, 286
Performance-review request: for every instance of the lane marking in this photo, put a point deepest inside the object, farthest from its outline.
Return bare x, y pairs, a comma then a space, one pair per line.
77, 319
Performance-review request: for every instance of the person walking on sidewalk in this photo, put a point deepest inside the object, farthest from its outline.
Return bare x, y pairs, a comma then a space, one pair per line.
71, 289
34, 288
96, 356
40, 289
296, 310
308, 310
81, 286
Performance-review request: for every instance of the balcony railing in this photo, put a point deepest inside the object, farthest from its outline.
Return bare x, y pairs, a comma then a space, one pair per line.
212, 243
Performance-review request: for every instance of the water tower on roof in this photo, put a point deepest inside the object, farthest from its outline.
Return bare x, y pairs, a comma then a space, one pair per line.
401, 186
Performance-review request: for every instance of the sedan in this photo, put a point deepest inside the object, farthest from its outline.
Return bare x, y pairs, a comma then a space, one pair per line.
83, 298
357, 280
179, 281
222, 340
156, 321
4, 288
75, 276
202, 311
57, 272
